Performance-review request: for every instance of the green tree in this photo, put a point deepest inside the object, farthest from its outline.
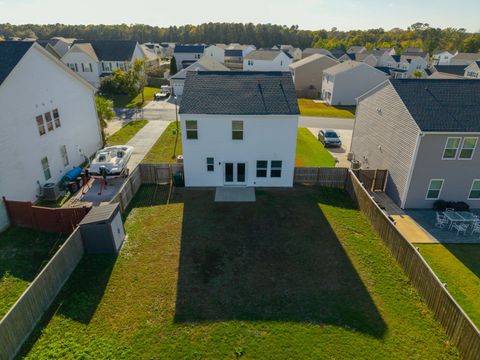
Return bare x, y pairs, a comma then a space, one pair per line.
417, 74
105, 112
173, 66
137, 77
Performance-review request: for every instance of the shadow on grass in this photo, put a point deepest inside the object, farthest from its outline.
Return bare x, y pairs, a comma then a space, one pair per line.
81, 295
276, 259
467, 254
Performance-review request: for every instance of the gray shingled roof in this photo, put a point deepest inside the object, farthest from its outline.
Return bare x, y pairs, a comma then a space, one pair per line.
112, 50
239, 93
10, 54
189, 49
451, 69
263, 54
442, 105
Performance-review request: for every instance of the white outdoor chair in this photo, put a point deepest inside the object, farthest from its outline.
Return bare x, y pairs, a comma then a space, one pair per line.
442, 221
476, 227
461, 228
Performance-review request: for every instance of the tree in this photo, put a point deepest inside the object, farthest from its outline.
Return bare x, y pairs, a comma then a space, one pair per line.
105, 112
173, 66
417, 74
137, 77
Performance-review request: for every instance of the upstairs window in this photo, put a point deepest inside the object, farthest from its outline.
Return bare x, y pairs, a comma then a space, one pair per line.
46, 169
49, 120
276, 169
210, 164
468, 148
434, 189
192, 129
56, 118
262, 168
475, 190
237, 130
451, 148
40, 125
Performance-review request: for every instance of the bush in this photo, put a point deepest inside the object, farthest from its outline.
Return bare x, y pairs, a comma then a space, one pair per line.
442, 205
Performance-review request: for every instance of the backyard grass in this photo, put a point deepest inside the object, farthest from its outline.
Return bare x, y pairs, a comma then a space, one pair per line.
122, 136
127, 101
310, 108
23, 252
458, 265
299, 274
310, 151
162, 150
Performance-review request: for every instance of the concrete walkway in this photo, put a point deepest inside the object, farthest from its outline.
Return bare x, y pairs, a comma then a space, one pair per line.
144, 140
235, 194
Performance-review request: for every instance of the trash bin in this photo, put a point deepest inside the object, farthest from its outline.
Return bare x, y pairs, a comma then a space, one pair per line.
178, 179
72, 187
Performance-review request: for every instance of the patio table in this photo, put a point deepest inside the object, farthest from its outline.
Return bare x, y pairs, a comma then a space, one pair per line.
467, 216
453, 217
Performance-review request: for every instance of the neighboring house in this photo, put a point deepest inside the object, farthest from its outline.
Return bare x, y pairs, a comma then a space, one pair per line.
239, 129
94, 59
344, 83
177, 81
448, 72
411, 55
267, 60
234, 54
167, 50
337, 53
368, 58
356, 49
215, 53
464, 58
472, 71
425, 133
308, 74
51, 123
442, 57
409, 64
295, 53
186, 55
310, 51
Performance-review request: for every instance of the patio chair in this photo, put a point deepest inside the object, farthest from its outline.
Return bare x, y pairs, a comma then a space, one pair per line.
476, 227
461, 228
449, 209
442, 221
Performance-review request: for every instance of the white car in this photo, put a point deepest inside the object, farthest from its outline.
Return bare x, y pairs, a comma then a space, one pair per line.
111, 160
164, 92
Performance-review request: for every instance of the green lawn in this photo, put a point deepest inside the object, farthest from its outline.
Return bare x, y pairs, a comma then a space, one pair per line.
23, 252
127, 101
122, 136
310, 108
459, 266
162, 150
310, 151
299, 274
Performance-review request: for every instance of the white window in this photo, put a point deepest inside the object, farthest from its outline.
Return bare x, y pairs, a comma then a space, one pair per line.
40, 125
87, 67
451, 148
49, 120
192, 129
210, 164
63, 153
434, 189
262, 168
250, 62
468, 148
46, 168
56, 118
474, 190
237, 130
276, 168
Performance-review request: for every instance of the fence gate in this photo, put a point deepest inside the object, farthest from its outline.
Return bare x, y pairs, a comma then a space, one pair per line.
372, 180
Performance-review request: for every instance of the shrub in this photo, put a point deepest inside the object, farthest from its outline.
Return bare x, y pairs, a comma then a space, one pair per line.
442, 205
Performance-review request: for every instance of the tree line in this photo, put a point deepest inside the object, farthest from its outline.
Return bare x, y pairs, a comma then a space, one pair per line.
261, 35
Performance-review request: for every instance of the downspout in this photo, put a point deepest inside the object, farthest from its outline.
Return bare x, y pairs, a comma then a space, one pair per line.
410, 172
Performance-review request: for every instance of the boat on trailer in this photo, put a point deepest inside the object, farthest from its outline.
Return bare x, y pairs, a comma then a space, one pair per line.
111, 161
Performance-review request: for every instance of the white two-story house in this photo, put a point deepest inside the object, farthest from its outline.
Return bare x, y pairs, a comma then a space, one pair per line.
472, 71
267, 60
93, 59
186, 55
48, 124
239, 128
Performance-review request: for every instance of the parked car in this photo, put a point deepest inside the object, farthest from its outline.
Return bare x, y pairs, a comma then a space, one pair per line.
164, 92
329, 138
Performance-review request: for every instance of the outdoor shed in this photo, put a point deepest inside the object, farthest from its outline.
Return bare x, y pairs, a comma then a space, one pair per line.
102, 230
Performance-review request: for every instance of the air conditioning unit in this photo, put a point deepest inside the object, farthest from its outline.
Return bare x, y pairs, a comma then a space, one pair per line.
51, 192
356, 165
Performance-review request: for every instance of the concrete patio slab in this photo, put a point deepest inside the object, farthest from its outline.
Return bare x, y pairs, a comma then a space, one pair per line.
235, 194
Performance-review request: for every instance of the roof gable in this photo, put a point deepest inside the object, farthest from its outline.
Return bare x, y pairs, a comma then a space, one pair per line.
441, 105
112, 50
239, 93
451, 69
11, 52
317, 58
265, 55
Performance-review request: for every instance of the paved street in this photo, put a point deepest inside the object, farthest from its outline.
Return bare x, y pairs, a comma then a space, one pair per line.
326, 123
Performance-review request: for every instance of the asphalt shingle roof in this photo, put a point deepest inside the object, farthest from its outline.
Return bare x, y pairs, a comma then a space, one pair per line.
264, 54
10, 54
239, 93
112, 50
189, 49
441, 105
233, 52
451, 69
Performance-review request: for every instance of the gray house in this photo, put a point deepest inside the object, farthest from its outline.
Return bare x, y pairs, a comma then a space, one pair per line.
425, 132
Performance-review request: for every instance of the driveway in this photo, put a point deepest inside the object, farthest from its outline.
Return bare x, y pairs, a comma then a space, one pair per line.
325, 122
154, 110
338, 153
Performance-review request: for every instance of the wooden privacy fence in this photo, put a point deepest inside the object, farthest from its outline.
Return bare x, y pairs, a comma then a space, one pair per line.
372, 180
61, 220
128, 190
458, 326
18, 323
323, 176
159, 173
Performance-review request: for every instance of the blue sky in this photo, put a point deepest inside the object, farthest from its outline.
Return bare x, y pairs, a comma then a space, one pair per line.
308, 14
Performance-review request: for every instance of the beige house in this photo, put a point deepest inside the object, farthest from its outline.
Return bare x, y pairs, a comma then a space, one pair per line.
308, 74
